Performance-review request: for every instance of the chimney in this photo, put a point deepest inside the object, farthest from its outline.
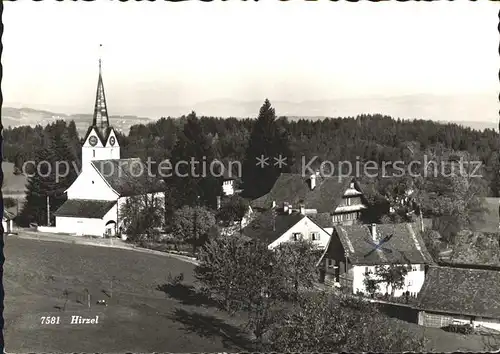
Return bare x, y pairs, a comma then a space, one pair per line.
374, 232
285, 207
218, 202
302, 209
274, 204
313, 181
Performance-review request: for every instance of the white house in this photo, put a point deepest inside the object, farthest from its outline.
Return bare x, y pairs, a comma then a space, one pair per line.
276, 226
341, 197
7, 222
96, 196
460, 295
355, 250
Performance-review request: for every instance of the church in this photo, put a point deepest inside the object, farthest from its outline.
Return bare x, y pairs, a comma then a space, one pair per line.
105, 182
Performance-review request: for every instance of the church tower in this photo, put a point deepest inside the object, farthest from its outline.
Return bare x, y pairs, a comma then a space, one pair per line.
100, 142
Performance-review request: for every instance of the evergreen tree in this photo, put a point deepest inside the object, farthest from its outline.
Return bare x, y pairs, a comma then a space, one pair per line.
193, 154
63, 170
35, 207
267, 140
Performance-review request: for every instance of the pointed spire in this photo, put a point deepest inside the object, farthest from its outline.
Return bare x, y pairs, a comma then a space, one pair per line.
100, 119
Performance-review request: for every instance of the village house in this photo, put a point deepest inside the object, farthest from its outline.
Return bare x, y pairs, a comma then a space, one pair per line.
228, 183
354, 250
230, 174
276, 226
455, 295
340, 197
7, 222
106, 181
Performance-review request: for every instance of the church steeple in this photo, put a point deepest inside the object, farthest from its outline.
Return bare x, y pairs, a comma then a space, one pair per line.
100, 119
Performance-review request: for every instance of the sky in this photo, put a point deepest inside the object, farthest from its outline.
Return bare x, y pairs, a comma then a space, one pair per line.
160, 54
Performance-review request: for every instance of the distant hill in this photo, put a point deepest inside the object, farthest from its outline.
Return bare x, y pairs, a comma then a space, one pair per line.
476, 111
14, 117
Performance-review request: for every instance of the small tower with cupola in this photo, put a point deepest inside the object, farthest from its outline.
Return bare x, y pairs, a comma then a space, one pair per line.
100, 142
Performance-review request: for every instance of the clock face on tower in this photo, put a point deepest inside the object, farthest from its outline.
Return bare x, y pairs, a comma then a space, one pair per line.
93, 140
112, 141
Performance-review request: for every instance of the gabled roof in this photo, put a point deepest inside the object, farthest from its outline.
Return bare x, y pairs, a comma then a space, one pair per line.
85, 208
474, 292
295, 189
405, 246
264, 229
323, 220
7, 215
129, 177
103, 136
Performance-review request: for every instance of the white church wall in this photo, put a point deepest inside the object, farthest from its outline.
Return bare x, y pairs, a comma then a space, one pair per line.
113, 150
80, 226
90, 185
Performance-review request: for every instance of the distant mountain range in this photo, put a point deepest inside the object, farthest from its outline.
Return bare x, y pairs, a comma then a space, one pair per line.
478, 111
15, 117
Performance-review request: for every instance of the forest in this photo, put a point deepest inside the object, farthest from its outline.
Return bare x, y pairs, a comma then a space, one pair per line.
362, 138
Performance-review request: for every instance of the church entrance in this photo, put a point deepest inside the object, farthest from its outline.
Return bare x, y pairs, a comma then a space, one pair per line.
110, 229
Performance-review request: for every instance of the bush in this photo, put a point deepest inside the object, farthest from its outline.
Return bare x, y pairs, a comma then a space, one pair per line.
9, 202
459, 328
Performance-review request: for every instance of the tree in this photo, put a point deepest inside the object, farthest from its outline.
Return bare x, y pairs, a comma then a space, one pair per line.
193, 155
9, 202
325, 322
392, 276
454, 196
245, 275
143, 217
269, 141
37, 188
432, 241
192, 225
297, 261
233, 210
371, 284
261, 285
219, 268
63, 168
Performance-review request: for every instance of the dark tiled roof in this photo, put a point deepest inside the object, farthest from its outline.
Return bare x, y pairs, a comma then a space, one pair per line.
323, 220
406, 244
473, 292
261, 228
129, 177
295, 189
85, 208
7, 215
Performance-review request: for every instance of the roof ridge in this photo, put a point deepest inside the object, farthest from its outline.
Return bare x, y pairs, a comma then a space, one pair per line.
93, 200
437, 266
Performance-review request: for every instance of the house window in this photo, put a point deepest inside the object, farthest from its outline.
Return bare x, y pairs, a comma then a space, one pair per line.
297, 236
93, 153
414, 268
315, 236
348, 201
366, 269
410, 283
